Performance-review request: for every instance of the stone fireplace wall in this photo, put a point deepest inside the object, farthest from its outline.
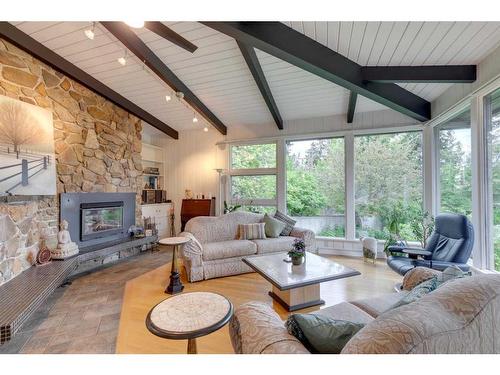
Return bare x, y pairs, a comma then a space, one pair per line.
97, 145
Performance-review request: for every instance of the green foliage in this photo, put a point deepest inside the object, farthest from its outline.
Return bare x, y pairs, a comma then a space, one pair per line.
230, 208
254, 156
454, 174
334, 231
422, 225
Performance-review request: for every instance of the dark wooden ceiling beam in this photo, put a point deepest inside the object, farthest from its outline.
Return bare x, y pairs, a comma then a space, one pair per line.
254, 65
36, 49
134, 44
353, 97
420, 74
167, 33
295, 48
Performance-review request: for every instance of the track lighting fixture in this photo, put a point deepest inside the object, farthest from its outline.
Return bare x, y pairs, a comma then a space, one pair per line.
123, 59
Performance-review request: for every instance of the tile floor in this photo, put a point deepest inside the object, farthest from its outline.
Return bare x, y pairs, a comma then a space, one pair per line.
83, 317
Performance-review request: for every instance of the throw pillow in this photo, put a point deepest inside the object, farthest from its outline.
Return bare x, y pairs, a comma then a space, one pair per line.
450, 273
417, 292
273, 226
254, 231
321, 334
287, 220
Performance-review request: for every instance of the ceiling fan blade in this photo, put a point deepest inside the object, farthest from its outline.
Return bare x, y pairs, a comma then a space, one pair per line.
170, 35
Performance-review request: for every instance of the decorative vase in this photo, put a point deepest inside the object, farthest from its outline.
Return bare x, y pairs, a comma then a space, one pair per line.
297, 261
369, 249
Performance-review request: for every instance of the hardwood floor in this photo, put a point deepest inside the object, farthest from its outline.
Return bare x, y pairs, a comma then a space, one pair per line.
145, 291
85, 317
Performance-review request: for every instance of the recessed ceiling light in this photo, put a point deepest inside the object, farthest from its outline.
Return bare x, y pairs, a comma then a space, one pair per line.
89, 33
205, 129
135, 24
168, 98
122, 61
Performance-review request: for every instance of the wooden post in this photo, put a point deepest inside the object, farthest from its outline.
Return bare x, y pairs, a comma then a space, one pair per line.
24, 172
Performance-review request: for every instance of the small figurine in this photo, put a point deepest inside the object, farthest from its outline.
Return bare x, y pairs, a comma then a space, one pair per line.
65, 247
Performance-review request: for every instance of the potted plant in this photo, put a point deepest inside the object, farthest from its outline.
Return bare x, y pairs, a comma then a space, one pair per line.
298, 252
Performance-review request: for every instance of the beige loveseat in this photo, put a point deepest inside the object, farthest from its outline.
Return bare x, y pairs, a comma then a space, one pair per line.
215, 251
462, 316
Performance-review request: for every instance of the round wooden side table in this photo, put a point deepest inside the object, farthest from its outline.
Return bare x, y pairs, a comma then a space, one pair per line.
188, 316
175, 285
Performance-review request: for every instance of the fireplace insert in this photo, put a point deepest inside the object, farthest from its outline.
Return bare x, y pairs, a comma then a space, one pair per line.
100, 219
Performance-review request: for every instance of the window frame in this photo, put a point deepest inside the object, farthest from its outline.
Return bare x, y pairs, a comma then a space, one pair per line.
232, 172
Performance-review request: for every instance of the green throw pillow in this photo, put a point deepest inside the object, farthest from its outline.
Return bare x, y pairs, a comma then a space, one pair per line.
321, 334
417, 292
273, 226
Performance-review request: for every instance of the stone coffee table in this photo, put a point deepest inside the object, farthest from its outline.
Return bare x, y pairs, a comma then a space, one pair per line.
188, 316
297, 287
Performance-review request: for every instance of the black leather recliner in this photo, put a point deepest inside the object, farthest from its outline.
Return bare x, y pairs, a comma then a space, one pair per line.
450, 244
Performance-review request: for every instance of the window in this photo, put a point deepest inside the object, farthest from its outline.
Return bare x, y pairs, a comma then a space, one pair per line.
454, 165
315, 185
253, 156
252, 177
388, 183
492, 117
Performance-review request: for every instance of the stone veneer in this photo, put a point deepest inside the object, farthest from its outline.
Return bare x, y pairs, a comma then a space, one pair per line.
97, 146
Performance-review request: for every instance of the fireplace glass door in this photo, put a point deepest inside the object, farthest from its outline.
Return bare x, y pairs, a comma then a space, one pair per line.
101, 219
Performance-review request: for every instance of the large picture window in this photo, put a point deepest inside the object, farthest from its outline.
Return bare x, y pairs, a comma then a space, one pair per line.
492, 116
315, 185
454, 173
252, 177
388, 183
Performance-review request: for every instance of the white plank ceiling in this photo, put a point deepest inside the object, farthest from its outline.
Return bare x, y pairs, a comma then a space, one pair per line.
218, 75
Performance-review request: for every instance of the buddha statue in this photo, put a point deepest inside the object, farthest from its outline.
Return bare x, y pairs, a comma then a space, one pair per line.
65, 247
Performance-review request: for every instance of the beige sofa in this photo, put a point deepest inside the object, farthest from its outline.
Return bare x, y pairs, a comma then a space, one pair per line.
215, 251
462, 316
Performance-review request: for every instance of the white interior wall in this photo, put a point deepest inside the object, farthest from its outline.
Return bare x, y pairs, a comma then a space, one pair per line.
487, 70
190, 163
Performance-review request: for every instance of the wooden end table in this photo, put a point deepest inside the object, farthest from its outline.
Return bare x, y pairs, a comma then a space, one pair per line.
175, 285
188, 316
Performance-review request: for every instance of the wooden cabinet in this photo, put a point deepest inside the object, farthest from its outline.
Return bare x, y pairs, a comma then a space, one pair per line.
160, 214
196, 207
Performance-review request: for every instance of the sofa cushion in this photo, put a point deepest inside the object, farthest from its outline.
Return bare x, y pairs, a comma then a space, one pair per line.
346, 311
253, 231
273, 226
377, 305
274, 245
228, 249
418, 292
287, 220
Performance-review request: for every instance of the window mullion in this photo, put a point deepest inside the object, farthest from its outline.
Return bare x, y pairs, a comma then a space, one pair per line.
350, 225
